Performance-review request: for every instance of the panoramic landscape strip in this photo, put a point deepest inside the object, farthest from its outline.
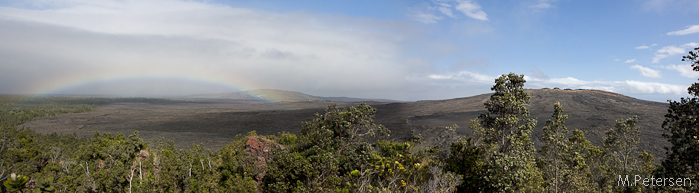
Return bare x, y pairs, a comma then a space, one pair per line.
344, 150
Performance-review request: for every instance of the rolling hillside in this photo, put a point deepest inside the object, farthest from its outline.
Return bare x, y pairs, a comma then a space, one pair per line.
591, 111
214, 123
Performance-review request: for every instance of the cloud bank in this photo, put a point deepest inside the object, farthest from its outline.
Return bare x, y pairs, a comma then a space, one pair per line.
684, 70
250, 49
624, 87
145, 48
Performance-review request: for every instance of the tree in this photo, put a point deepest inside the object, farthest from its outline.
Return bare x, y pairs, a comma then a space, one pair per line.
578, 159
565, 161
554, 149
622, 143
327, 150
682, 131
235, 168
507, 150
467, 160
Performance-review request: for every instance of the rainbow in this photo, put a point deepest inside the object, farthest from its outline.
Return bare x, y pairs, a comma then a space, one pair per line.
66, 84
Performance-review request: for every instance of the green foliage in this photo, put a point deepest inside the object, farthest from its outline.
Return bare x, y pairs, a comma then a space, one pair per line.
622, 143
16, 182
693, 58
328, 148
394, 168
681, 126
234, 169
287, 139
334, 153
578, 159
507, 114
554, 150
15, 110
441, 181
510, 164
564, 159
468, 160
45, 185
337, 129
622, 156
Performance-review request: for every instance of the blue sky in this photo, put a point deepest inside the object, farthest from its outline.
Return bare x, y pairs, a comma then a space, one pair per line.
405, 50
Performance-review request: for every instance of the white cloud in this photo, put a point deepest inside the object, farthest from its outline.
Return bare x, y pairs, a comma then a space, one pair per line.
684, 70
628, 87
425, 17
645, 47
464, 76
446, 11
690, 30
623, 87
671, 50
442, 3
471, 9
570, 81
647, 72
668, 51
653, 87
630, 61
94, 40
542, 4
433, 12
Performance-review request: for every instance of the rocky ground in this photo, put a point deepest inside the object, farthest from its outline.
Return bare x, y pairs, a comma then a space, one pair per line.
215, 122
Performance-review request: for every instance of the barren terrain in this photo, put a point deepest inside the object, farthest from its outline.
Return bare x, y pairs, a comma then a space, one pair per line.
214, 123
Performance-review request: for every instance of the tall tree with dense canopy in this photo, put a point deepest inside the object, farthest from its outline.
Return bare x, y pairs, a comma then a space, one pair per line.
578, 160
554, 149
508, 150
682, 131
565, 159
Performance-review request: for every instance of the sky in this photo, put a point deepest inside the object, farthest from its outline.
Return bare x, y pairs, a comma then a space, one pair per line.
392, 49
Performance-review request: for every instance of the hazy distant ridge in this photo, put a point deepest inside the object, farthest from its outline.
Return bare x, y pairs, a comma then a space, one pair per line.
272, 95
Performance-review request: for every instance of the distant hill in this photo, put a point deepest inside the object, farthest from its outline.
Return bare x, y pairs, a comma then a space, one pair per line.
215, 122
592, 111
272, 95
349, 99
262, 95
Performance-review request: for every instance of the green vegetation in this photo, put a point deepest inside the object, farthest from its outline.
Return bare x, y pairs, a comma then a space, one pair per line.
682, 159
343, 150
503, 147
